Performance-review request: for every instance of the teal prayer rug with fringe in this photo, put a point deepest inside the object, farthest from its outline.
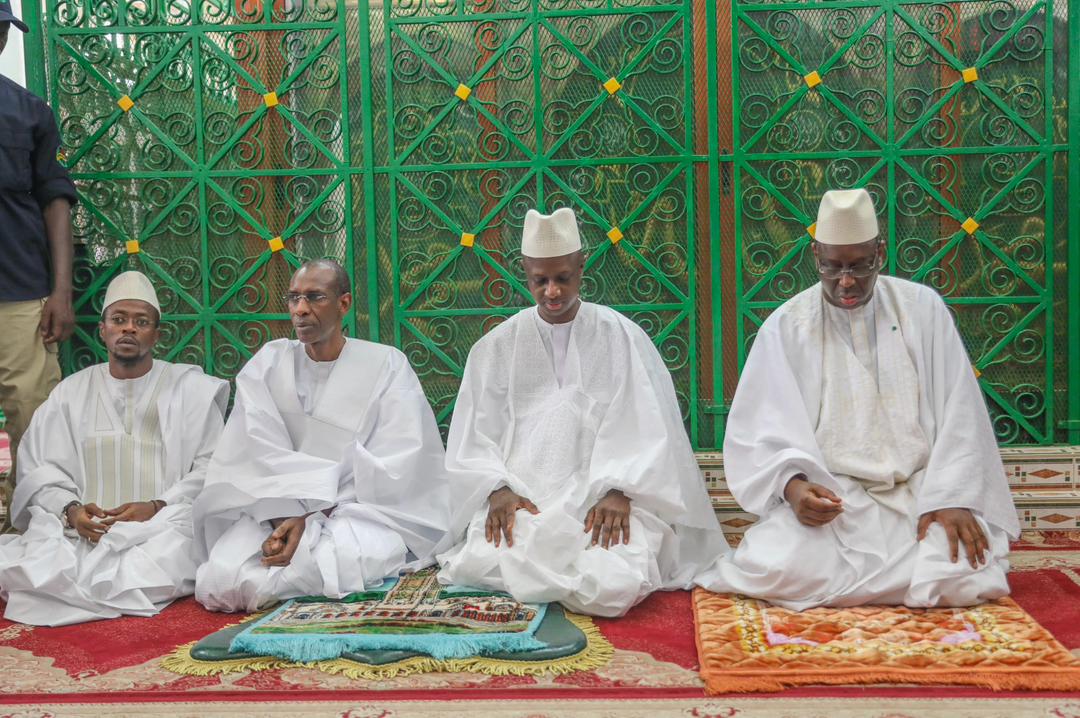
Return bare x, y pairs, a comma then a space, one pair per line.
410, 613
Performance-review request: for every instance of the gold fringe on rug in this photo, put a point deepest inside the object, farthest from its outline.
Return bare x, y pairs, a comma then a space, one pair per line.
597, 653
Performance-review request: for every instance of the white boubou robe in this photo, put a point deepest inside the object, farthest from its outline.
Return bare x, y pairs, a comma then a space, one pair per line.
110, 441
879, 404
355, 436
561, 415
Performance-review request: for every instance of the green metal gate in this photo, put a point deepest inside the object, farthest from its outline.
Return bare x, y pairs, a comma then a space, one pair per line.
217, 143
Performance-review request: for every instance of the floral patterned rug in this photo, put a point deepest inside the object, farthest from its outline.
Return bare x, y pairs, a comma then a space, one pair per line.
749, 645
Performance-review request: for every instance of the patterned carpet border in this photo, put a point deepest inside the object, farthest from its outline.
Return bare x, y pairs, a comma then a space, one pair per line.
746, 646
579, 708
598, 652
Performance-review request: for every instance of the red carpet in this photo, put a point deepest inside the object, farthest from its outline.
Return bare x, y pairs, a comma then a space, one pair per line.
66, 671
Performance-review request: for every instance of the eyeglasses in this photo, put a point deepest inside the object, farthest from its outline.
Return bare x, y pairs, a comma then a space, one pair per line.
121, 320
313, 298
859, 271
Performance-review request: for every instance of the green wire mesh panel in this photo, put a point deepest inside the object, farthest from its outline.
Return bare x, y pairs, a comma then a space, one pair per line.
218, 143
488, 109
207, 144
953, 117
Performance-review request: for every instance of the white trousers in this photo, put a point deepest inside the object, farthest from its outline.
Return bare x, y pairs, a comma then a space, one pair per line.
552, 559
869, 554
337, 555
50, 578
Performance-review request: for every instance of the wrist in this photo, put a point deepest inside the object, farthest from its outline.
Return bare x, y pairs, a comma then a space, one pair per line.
65, 513
795, 483
157, 505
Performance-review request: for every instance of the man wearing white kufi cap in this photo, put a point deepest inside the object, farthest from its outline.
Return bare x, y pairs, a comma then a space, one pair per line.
570, 470
859, 435
107, 472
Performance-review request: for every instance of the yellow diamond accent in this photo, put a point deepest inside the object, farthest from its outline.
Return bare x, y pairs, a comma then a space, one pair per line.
463, 92
271, 99
813, 79
467, 240
612, 85
977, 372
126, 103
132, 246
276, 244
615, 234
970, 225
970, 74
812, 230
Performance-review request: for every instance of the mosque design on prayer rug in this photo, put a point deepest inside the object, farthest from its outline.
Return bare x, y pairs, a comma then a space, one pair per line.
748, 645
411, 613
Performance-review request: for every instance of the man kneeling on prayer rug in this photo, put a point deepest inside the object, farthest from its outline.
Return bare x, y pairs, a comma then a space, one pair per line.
329, 477
572, 476
859, 436
107, 472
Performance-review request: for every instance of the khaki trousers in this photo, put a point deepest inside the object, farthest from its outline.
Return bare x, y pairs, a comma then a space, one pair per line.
29, 369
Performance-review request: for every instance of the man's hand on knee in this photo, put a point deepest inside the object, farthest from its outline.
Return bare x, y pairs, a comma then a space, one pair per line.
960, 527
813, 504
503, 505
609, 520
278, 549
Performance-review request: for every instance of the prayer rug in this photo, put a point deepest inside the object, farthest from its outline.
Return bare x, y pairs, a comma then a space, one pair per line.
565, 643
746, 645
412, 613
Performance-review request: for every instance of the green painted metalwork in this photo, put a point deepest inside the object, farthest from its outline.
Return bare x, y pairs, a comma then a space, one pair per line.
945, 112
407, 139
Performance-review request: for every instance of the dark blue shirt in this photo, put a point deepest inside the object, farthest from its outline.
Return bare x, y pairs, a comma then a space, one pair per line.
30, 178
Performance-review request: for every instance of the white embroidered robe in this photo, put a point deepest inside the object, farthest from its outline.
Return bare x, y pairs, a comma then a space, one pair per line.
366, 448
109, 441
894, 423
612, 422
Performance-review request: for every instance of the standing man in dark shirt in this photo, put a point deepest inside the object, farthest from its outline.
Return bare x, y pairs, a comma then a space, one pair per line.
36, 196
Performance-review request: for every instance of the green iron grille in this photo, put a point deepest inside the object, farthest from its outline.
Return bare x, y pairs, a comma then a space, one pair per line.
407, 139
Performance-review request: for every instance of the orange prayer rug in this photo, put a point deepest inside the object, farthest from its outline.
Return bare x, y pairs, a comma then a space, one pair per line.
745, 645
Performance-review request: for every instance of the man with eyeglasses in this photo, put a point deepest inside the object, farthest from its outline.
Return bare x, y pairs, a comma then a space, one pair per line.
107, 472
329, 477
859, 436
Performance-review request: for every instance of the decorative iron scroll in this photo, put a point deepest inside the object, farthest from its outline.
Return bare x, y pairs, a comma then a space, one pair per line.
218, 144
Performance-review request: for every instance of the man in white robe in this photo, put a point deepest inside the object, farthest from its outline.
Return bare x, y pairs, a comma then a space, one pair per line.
329, 477
107, 472
572, 476
859, 436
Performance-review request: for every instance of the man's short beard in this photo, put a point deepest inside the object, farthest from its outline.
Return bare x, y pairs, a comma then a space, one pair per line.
126, 361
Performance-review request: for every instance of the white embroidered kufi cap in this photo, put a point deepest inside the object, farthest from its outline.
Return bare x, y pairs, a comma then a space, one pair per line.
550, 235
846, 216
131, 285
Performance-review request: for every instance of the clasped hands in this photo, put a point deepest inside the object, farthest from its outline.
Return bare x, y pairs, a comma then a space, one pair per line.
84, 518
815, 505
608, 520
280, 545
